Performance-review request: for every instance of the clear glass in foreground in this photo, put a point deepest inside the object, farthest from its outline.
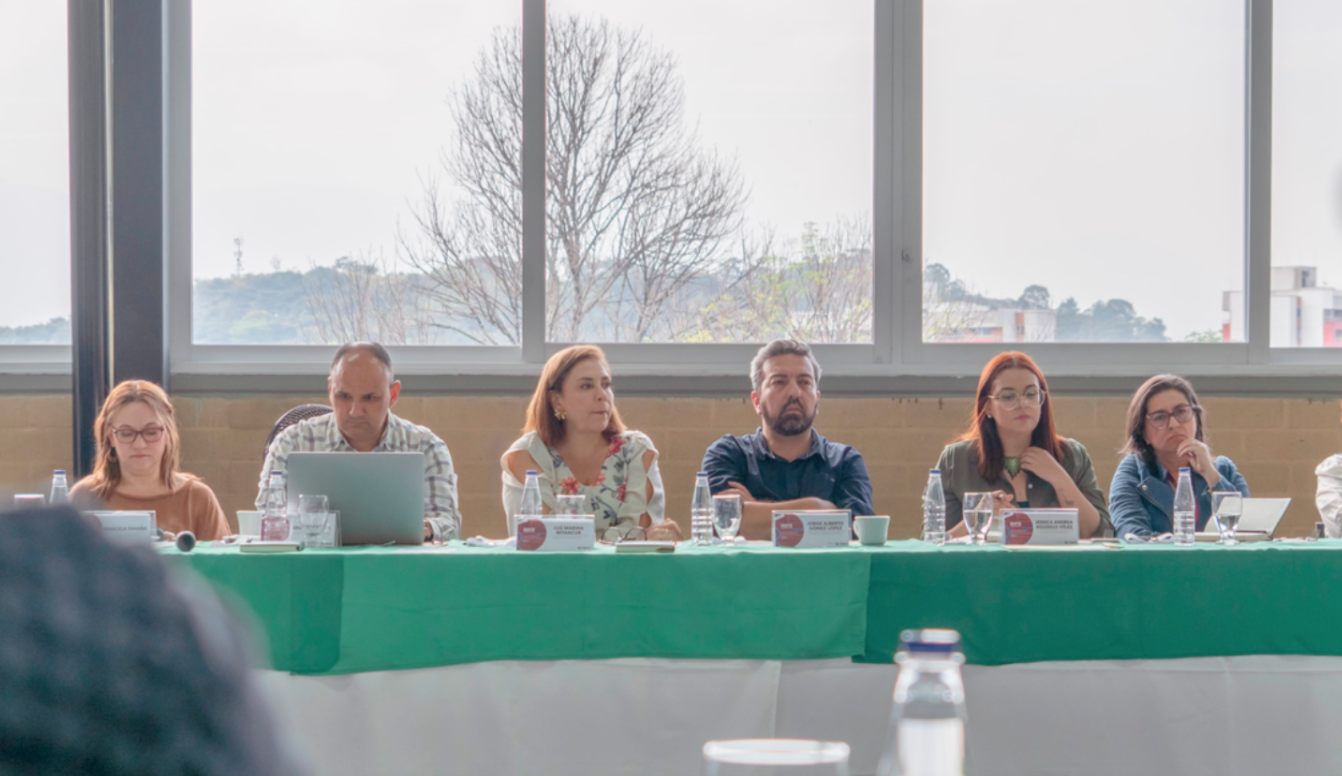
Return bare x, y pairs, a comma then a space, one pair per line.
314, 512
760, 756
1227, 507
978, 512
727, 515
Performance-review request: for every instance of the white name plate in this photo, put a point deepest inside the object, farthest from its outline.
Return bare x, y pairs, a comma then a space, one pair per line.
1040, 526
813, 528
123, 527
556, 534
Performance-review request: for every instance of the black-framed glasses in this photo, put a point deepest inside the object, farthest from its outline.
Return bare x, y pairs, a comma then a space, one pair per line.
1183, 413
127, 435
1010, 399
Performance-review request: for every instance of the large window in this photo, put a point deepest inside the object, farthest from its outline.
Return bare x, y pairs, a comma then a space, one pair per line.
1306, 283
34, 174
709, 182
1083, 174
328, 199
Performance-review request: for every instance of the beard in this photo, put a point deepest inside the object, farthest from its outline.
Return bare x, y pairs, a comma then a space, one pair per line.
790, 425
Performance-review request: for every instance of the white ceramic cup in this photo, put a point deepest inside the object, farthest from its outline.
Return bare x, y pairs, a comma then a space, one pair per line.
872, 529
249, 523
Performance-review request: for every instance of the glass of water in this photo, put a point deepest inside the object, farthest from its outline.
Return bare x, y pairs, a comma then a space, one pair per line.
571, 505
978, 512
314, 512
776, 757
1227, 507
727, 516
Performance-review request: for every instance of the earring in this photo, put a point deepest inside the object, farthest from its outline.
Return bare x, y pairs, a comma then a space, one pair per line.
560, 414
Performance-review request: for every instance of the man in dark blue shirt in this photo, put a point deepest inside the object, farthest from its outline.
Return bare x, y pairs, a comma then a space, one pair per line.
785, 464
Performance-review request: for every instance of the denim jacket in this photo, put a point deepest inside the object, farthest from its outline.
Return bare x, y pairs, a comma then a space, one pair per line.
1141, 499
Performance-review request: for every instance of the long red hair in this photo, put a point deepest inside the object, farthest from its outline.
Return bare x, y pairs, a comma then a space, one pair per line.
982, 431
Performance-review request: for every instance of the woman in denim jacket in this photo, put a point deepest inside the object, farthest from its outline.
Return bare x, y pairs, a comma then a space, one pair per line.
1165, 432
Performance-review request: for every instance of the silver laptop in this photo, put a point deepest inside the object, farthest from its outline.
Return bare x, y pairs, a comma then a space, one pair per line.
380, 496
1260, 515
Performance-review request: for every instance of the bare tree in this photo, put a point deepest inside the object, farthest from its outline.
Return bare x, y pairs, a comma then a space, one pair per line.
637, 212
365, 300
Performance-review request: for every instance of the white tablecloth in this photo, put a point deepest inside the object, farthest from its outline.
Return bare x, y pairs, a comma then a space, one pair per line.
1225, 716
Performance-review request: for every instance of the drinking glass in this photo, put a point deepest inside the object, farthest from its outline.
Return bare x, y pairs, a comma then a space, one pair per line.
571, 505
727, 516
1227, 506
978, 512
780, 756
314, 512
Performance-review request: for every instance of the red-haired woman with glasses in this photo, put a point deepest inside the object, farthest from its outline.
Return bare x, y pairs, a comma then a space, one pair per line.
1166, 433
1012, 450
136, 468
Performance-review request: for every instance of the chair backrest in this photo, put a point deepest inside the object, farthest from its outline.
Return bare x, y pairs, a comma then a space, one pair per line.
297, 414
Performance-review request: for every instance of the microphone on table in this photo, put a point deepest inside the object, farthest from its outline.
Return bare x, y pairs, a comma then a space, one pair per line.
186, 541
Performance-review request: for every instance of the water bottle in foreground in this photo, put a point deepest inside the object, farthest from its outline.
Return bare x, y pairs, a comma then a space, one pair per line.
701, 511
275, 519
934, 509
927, 721
531, 505
60, 491
1185, 509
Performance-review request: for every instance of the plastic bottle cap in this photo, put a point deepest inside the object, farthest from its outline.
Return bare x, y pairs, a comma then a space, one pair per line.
60, 472
702, 474
934, 471
1184, 470
943, 640
530, 472
277, 472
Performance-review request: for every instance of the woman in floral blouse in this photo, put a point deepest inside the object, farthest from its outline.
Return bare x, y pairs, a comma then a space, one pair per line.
575, 439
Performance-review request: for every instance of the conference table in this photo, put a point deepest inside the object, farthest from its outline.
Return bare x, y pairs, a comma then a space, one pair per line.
1094, 659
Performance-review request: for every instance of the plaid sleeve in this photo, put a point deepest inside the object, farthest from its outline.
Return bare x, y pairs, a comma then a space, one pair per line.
440, 491
277, 460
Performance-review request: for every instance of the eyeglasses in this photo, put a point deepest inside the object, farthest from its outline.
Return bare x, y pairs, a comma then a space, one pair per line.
127, 434
626, 532
1183, 413
1010, 400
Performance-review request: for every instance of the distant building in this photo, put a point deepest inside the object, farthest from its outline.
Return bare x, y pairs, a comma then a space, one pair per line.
963, 321
1303, 313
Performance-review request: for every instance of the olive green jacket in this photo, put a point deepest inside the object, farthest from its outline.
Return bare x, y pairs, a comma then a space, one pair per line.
959, 467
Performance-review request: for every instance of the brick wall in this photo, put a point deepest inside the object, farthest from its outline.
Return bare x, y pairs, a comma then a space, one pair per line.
1276, 442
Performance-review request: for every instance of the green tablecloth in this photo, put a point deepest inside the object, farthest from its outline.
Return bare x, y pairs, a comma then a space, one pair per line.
343, 611
365, 609
1142, 601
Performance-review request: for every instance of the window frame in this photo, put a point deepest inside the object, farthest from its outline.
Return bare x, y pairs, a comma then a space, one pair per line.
897, 353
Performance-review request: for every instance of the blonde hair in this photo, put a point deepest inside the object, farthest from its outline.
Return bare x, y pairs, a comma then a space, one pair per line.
106, 474
540, 412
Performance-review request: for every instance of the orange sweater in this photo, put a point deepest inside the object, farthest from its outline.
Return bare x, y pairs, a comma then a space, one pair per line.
191, 507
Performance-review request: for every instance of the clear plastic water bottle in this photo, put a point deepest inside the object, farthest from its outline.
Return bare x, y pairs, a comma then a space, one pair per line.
275, 520
934, 509
531, 505
1185, 509
60, 491
701, 511
927, 721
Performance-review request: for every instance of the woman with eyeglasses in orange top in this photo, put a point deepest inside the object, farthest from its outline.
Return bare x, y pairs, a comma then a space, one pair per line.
1166, 433
136, 467
1012, 450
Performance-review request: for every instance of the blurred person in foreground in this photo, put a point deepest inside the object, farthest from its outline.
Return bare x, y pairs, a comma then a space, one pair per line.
138, 453
1166, 432
575, 441
113, 664
1012, 450
786, 464
362, 389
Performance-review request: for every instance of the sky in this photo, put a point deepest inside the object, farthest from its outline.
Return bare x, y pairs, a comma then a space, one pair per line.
1094, 148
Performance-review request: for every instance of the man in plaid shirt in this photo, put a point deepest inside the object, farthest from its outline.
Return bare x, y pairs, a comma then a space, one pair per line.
363, 389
